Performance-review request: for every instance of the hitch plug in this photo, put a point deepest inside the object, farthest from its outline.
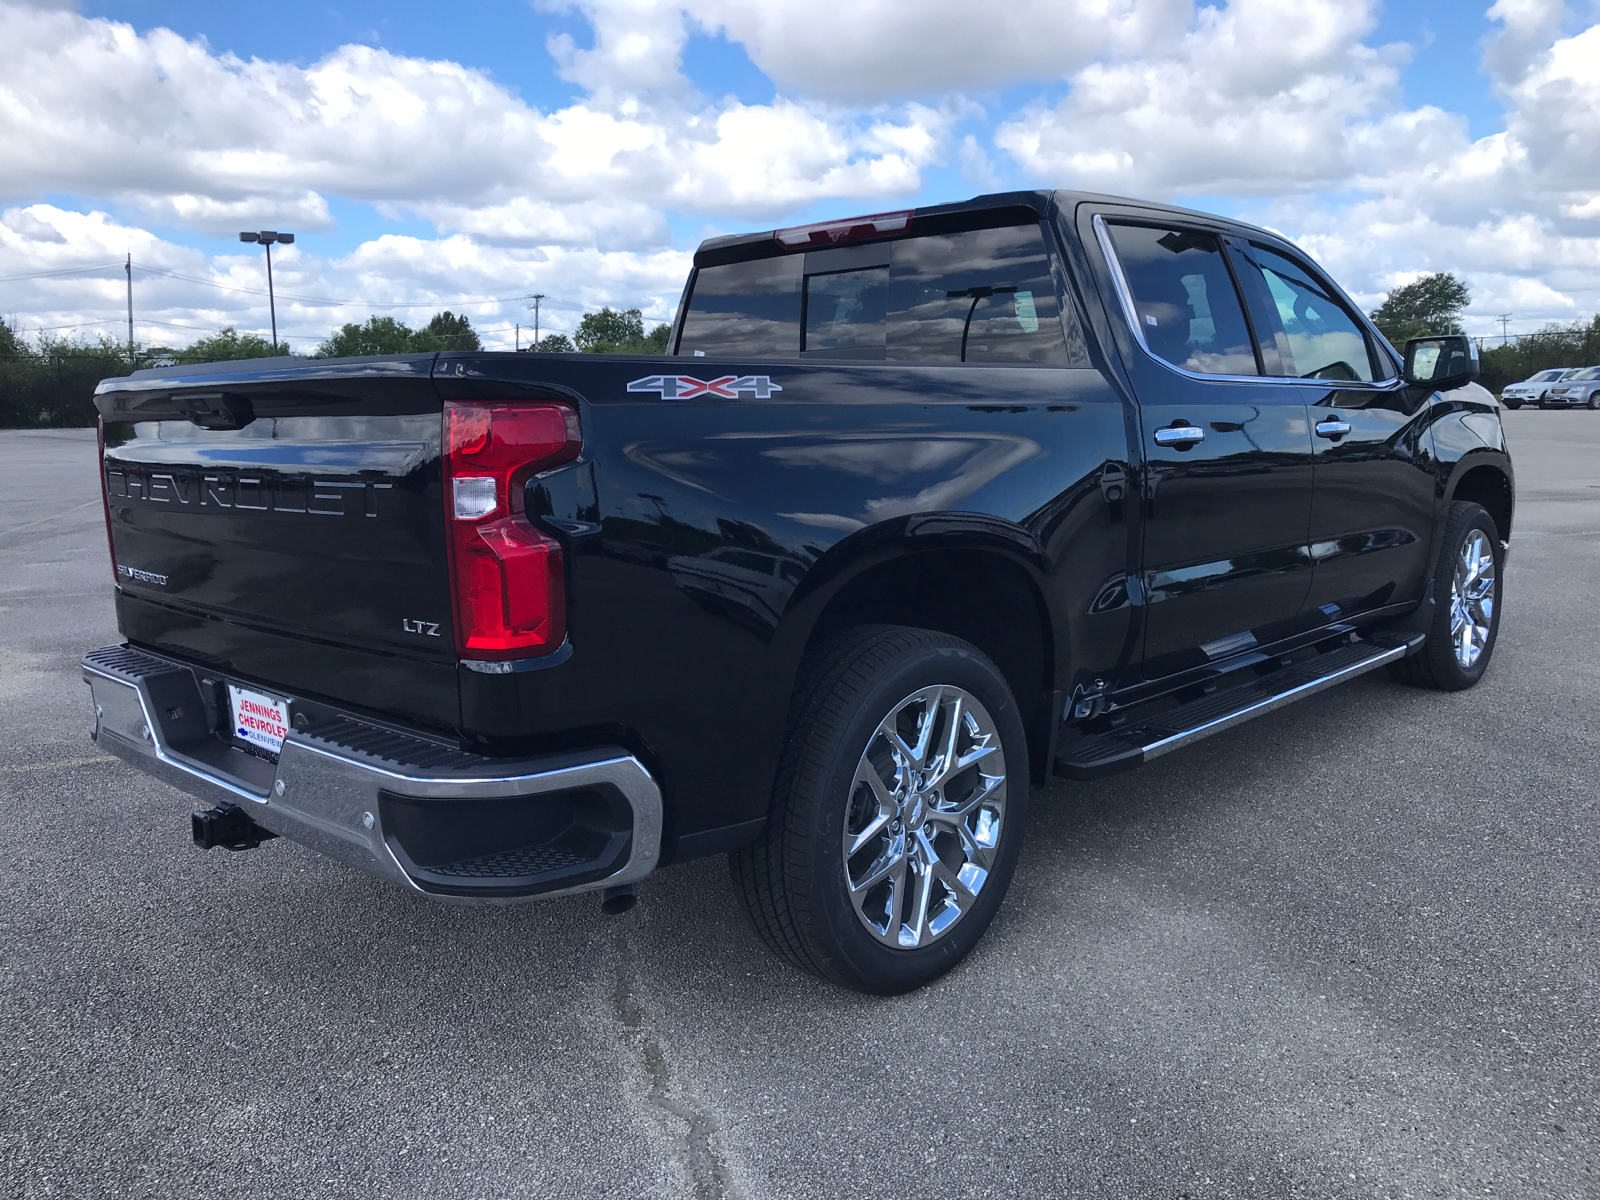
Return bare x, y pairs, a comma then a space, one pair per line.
228, 826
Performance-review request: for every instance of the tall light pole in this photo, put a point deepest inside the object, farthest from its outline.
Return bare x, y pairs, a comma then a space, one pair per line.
266, 237
130, 308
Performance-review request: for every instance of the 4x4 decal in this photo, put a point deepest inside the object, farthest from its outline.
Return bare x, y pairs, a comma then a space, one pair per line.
687, 387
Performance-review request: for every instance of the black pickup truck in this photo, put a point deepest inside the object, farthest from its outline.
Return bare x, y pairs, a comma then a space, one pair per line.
923, 507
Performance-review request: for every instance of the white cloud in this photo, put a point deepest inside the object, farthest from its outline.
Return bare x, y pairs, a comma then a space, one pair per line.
865, 51
572, 202
1286, 105
976, 168
1283, 109
178, 289
1257, 98
201, 138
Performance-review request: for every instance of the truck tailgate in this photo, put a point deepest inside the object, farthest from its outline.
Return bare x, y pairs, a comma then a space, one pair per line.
288, 527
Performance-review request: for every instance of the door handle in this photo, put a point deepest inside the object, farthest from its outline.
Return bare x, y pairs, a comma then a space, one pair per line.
1332, 427
1177, 435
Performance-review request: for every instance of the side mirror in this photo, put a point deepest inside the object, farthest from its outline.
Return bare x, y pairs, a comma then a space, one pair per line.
1442, 363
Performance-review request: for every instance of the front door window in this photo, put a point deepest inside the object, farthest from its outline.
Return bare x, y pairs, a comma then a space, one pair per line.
1318, 338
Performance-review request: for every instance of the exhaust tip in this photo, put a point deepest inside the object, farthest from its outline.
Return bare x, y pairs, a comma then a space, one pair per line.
615, 901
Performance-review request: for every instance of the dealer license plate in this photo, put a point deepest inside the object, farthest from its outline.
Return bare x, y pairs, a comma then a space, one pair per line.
258, 720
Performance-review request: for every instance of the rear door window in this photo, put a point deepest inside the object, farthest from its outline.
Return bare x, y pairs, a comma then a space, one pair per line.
745, 308
1317, 337
1184, 298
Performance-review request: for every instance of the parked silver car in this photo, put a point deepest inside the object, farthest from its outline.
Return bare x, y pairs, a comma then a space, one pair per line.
1532, 389
1575, 389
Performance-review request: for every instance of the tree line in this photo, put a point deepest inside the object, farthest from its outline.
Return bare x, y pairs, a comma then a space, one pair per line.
49, 381
1433, 305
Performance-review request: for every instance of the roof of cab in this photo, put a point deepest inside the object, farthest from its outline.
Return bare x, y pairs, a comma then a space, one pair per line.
1040, 201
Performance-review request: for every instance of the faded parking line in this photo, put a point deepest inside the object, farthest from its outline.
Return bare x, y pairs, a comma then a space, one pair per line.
23, 768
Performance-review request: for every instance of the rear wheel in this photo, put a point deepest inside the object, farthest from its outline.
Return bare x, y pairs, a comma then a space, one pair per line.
897, 813
1466, 616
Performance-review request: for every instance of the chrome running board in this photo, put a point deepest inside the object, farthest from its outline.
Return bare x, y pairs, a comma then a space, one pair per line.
1122, 749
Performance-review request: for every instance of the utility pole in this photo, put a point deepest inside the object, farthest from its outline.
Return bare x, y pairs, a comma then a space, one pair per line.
1505, 321
517, 345
130, 307
536, 298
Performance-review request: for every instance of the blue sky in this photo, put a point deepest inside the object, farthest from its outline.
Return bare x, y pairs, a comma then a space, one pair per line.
435, 156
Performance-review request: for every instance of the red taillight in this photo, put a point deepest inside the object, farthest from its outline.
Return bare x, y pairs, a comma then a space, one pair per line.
508, 582
851, 229
105, 494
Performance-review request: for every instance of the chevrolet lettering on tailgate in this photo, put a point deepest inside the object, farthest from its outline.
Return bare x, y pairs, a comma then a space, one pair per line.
261, 493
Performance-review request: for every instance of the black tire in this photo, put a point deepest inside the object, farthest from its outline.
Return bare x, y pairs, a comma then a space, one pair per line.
794, 879
1594, 399
1437, 665
1513, 405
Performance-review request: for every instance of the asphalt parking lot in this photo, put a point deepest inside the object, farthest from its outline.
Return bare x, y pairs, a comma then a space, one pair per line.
1347, 950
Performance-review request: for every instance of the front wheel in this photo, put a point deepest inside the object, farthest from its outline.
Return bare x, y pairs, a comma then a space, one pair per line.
897, 813
1466, 611
1513, 405
1594, 399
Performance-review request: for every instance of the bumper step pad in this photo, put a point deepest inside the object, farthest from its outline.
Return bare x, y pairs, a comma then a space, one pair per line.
1122, 749
405, 805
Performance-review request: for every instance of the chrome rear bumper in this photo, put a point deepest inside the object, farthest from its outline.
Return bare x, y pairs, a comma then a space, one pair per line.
435, 819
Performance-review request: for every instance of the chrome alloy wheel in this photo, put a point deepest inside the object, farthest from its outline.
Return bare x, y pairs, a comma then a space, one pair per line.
924, 817
1472, 598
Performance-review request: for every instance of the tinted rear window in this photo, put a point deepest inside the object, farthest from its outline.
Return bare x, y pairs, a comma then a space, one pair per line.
846, 310
984, 295
745, 308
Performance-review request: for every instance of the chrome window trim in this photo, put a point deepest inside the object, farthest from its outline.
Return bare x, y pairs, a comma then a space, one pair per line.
1125, 296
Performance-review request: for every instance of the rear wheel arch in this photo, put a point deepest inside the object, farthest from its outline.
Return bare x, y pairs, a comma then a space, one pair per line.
983, 596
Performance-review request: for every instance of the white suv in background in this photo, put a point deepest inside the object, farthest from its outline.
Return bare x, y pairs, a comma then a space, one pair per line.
1532, 389
1576, 389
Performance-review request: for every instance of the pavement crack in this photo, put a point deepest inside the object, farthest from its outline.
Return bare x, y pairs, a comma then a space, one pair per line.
701, 1155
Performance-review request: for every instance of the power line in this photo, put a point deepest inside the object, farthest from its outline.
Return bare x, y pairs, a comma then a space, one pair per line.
330, 302
191, 328
315, 301
26, 275
76, 325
